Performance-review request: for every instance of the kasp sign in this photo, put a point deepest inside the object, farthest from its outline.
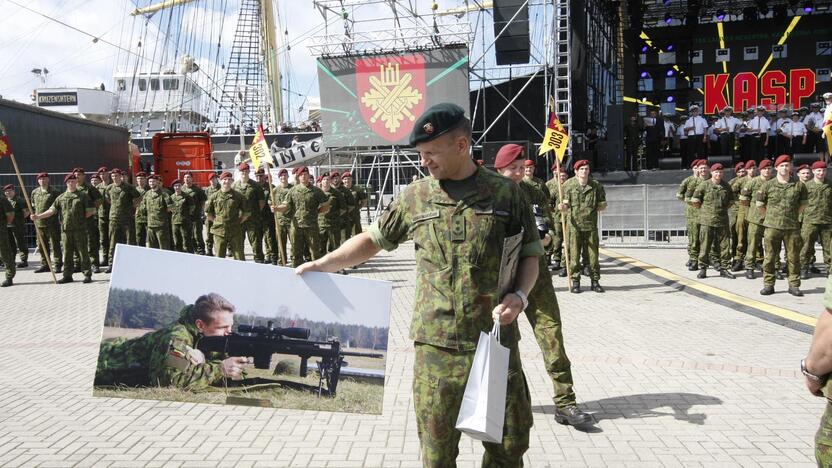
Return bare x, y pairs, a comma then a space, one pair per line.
774, 89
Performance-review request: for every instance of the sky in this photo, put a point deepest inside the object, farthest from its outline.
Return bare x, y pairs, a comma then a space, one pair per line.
263, 290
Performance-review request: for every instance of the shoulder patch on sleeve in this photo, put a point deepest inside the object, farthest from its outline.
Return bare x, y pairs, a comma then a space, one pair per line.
425, 216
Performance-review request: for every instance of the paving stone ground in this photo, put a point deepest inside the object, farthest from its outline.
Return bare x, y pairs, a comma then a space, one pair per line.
672, 379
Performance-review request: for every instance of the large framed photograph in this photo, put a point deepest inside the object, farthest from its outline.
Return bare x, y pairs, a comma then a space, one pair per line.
185, 327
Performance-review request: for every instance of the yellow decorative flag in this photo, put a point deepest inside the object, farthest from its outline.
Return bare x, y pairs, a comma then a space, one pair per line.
5, 148
555, 139
259, 148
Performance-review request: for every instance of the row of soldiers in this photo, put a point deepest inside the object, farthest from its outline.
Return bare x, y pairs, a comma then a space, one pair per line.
743, 224
98, 214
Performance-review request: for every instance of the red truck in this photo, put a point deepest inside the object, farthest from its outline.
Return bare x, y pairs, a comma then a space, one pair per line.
176, 153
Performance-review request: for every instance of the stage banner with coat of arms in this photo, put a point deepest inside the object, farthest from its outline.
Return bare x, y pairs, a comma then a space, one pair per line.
374, 100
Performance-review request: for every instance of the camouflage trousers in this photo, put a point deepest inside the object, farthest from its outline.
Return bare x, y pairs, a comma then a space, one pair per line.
330, 238
439, 379
158, 237
269, 237
754, 249
578, 242
557, 243
253, 229
209, 237
823, 439
17, 239
693, 239
104, 236
282, 239
119, 234
75, 247
543, 313
93, 241
51, 235
183, 240
7, 255
306, 244
811, 233
741, 230
355, 225
196, 235
773, 239
141, 233
230, 242
714, 242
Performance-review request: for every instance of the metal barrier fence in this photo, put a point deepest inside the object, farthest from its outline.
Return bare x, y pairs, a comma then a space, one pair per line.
642, 215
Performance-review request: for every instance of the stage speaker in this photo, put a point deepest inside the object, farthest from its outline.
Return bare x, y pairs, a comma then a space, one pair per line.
726, 161
804, 158
670, 164
513, 46
490, 148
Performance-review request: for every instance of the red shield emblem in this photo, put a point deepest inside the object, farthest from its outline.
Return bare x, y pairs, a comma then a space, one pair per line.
391, 93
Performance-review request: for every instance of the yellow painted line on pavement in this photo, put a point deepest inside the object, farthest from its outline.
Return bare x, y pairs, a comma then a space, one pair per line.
720, 293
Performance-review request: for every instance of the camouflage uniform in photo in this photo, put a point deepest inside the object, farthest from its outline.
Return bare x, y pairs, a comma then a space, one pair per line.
7, 253
458, 243
253, 226
50, 228
163, 358
303, 204
360, 196
209, 236
823, 436
182, 220
72, 207
742, 218
283, 224
782, 203
715, 200
329, 223
345, 218
141, 219
734, 215
17, 230
122, 200
102, 214
228, 208
686, 188
556, 228
754, 249
199, 198
157, 206
269, 228
93, 234
817, 223
582, 224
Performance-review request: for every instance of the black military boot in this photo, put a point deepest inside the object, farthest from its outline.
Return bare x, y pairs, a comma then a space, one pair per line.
576, 287
23, 264
87, 279
726, 274
42, 269
96, 269
65, 279
814, 269
687, 265
556, 265
738, 266
804, 273
562, 273
7, 283
572, 416
59, 267
596, 286
109, 270
749, 273
767, 290
693, 266
795, 291
703, 273
586, 271
778, 274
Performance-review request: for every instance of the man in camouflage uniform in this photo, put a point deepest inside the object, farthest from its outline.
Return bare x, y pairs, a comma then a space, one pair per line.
266, 215
93, 238
227, 211
817, 220
816, 367
529, 177
141, 216
100, 182
459, 219
213, 187
704, 175
182, 218
6, 251
199, 197
283, 223
122, 198
157, 207
360, 196
750, 168
781, 199
255, 202
713, 198
755, 217
42, 198
734, 210
350, 206
583, 199
304, 202
17, 230
75, 209
169, 357
690, 215
329, 223
556, 231
543, 311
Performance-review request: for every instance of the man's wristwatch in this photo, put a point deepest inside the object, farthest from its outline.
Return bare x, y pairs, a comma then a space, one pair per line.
523, 297
808, 374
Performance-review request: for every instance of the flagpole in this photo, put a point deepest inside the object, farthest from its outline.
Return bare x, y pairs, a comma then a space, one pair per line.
560, 200
267, 164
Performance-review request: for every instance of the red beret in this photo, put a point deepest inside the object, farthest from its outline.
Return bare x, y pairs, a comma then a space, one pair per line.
334, 174
243, 167
694, 163
803, 166
116, 171
717, 167
226, 175
507, 154
177, 181
213, 176
95, 175
8, 187
528, 163
739, 167
301, 169
580, 164
783, 158
70, 176
320, 178
78, 169
261, 171
43, 175
750, 163
282, 171
154, 176
818, 165
765, 163
102, 169
346, 174
141, 174
703, 162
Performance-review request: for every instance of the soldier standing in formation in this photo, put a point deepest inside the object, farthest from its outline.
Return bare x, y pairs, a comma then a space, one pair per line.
42, 198
528, 171
157, 206
227, 209
583, 199
755, 217
304, 202
713, 198
329, 223
556, 247
269, 233
122, 199
93, 235
780, 200
734, 211
213, 187
742, 215
17, 229
283, 222
692, 228
345, 217
141, 216
6, 251
182, 218
255, 201
103, 213
817, 220
360, 195
199, 197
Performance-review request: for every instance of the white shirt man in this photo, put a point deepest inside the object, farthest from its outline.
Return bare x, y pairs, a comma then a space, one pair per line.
759, 124
727, 124
793, 128
814, 119
669, 127
695, 125
781, 119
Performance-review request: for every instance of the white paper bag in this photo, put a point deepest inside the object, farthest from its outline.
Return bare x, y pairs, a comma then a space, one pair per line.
483, 407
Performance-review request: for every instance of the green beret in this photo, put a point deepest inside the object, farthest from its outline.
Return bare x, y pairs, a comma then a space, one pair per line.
435, 122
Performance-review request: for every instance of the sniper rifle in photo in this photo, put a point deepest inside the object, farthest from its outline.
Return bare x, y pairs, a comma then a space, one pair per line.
261, 342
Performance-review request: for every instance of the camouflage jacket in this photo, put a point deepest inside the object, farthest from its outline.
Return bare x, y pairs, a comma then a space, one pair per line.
819, 207
19, 206
539, 184
252, 194
122, 200
6, 209
350, 204
199, 197
458, 251
715, 200
748, 194
584, 203
159, 359
102, 211
228, 209
692, 186
782, 202
42, 199
332, 218
93, 193
73, 207
539, 198
554, 201
304, 203
157, 206
682, 195
141, 215
183, 208
279, 194
360, 196
736, 187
